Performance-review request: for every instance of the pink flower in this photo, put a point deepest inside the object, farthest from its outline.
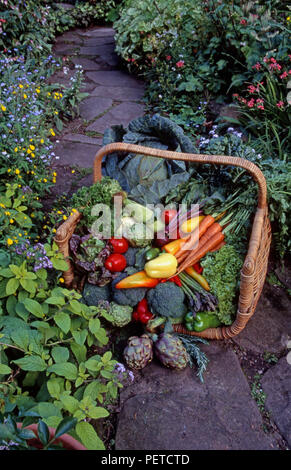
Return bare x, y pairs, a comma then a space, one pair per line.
251, 103
284, 74
180, 63
252, 88
244, 22
280, 104
257, 66
168, 57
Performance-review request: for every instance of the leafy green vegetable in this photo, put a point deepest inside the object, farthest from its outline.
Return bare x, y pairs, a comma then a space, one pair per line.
99, 193
221, 269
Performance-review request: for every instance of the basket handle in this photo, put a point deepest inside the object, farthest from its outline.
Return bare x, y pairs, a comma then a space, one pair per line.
187, 157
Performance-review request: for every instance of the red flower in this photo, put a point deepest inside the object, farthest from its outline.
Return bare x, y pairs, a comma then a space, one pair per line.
284, 74
168, 57
257, 66
280, 104
244, 22
180, 63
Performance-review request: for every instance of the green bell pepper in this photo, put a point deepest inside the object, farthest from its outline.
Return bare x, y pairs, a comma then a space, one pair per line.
201, 321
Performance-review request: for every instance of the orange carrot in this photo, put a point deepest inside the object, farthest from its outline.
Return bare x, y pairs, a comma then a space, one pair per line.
218, 247
197, 255
210, 232
196, 234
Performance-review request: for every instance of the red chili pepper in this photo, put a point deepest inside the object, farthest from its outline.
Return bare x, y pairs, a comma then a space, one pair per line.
135, 316
145, 317
142, 306
198, 268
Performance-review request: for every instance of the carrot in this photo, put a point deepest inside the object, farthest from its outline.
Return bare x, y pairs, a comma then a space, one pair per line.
197, 255
210, 232
218, 247
196, 234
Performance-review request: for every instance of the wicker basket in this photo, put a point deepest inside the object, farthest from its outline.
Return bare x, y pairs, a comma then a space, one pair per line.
254, 269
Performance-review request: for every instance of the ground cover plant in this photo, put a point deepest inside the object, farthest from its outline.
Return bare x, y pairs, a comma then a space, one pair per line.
58, 360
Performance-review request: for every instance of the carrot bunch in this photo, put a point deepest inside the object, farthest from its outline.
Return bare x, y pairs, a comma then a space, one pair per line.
207, 237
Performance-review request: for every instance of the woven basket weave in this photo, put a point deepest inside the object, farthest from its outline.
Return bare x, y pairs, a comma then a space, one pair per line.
254, 269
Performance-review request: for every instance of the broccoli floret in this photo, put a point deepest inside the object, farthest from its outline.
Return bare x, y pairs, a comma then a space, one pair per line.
130, 296
167, 300
121, 314
130, 256
93, 294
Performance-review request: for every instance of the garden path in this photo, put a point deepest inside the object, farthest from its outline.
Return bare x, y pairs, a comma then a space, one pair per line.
162, 409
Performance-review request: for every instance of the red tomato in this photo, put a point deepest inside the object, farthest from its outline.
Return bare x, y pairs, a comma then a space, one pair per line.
168, 215
120, 245
115, 263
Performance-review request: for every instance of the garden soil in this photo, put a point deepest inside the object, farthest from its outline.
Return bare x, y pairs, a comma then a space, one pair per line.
245, 400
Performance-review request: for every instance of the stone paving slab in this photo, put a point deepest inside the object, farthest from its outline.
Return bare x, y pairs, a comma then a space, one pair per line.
120, 114
99, 41
276, 384
168, 410
93, 106
270, 326
87, 64
114, 78
83, 139
119, 93
98, 32
76, 154
71, 37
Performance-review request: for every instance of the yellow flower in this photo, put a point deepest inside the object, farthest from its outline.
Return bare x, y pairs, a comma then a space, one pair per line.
20, 234
3, 107
41, 141
49, 94
45, 180
54, 230
9, 169
24, 96
32, 155
288, 18
65, 217
74, 210
54, 173
59, 212
11, 221
28, 151
62, 280
52, 132
56, 112
32, 147
9, 241
32, 215
54, 180
20, 85
2, 205
7, 213
73, 171
17, 171
16, 149
37, 90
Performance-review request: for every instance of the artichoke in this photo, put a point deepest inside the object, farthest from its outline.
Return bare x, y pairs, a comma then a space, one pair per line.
121, 314
171, 352
138, 352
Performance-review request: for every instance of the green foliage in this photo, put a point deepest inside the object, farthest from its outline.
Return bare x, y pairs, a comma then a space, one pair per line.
47, 334
12, 437
185, 48
222, 269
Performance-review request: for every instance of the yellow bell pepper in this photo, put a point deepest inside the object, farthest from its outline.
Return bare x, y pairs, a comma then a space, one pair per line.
190, 224
163, 266
174, 246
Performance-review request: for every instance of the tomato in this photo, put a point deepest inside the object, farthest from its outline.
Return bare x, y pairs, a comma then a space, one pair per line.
168, 215
115, 263
119, 245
